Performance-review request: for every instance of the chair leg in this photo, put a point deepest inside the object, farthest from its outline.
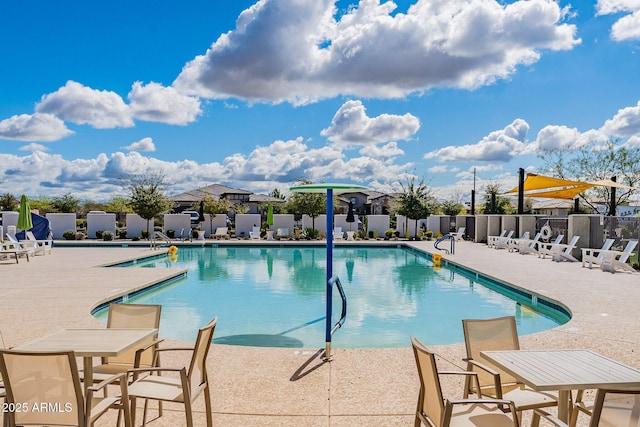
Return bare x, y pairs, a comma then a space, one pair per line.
207, 405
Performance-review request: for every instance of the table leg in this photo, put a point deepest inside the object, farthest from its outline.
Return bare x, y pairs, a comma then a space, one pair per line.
564, 405
88, 372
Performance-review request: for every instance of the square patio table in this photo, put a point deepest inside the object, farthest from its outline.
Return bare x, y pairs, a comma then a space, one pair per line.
564, 370
90, 343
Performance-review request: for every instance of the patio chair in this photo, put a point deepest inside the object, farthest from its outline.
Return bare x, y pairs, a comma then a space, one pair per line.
528, 246
435, 411
503, 242
561, 252
458, 234
512, 244
221, 233
49, 381
254, 234
191, 383
42, 245
498, 334
612, 407
18, 245
593, 255
491, 240
545, 248
616, 260
7, 250
131, 316
282, 233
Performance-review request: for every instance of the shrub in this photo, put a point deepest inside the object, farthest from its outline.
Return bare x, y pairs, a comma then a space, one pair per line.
135, 239
99, 234
145, 234
69, 235
429, 234
107, 236
171, 233
373, 234
311, 233
122, 234
388, 234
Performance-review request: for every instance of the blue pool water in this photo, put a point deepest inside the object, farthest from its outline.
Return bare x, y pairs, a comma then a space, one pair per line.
275, 296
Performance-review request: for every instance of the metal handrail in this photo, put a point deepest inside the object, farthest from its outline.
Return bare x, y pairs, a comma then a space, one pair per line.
334, 280
452, 241
161, 236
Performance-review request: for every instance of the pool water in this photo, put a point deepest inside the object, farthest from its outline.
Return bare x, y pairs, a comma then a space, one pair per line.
275, 296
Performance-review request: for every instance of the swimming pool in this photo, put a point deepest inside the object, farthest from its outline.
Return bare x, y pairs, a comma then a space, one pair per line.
275, 296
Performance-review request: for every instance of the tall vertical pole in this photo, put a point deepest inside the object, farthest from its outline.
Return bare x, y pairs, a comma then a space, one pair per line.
520, 191
329, 272
612, 203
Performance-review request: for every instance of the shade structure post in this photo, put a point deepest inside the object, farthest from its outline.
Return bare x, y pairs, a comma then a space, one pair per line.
520, 191
612, 202
329, 305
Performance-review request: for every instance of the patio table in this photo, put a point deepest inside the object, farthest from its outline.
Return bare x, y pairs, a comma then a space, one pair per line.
564, 370
89, 343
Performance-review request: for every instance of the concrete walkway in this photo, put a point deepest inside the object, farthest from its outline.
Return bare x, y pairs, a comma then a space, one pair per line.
295, 387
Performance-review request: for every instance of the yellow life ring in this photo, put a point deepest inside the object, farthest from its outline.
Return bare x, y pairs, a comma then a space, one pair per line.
173, 250
437, 259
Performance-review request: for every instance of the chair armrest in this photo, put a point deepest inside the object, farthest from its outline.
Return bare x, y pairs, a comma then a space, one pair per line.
176, 349
500, 403
138, 356
497, 384
470, 375
112, 379
537, 413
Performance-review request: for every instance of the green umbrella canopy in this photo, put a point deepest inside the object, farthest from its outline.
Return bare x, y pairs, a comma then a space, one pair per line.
24, 217
270, 215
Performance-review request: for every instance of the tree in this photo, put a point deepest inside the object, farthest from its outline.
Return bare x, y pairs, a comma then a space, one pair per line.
146, 195
119, 205
240, 208
43, 204
214, 206
312, 204
595, 162
66, 203
8, 202
415, 201
451, 208
277, 194
502, 204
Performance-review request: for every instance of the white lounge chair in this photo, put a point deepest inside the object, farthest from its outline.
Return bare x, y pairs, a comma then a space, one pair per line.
526, 246
616, 260
8, 250
254, 234
43, 246
282, 233
544, 248
458, 234
561, 252
337, 233
593, 255
503, 242
491, 240
512, 244
29, 247
221, 233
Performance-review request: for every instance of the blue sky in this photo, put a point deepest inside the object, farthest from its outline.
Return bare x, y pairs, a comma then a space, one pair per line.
257, 95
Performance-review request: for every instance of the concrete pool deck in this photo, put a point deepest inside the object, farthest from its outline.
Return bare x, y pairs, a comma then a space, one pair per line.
294, 387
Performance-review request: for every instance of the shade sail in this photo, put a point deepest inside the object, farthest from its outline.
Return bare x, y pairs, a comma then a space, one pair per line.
553, 188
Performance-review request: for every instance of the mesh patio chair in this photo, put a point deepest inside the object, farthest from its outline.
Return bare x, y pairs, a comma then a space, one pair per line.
434, 410
34, 379
185, 388
498, 334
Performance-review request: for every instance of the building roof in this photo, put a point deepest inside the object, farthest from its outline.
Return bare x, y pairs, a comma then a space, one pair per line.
215, 190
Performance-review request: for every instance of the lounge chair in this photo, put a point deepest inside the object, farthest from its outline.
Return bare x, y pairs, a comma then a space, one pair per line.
192, 381
42, 245
29, 247
282, 233
544, 248
491, 240
561, 252
498, 334
221, 233
616, 260
8, 250
528, 246
337, 233
435, 411
503, 242
512, 244
51, 378
458, 234
254, 234
593, 255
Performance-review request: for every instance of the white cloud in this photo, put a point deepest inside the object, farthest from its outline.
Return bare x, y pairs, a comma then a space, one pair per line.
33, 127
501, 146
386, 152
80, 104
626, 27
296, 50
351, 126
633, 142
625, 123
145, 144
33, 147
554, 138
156, 103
